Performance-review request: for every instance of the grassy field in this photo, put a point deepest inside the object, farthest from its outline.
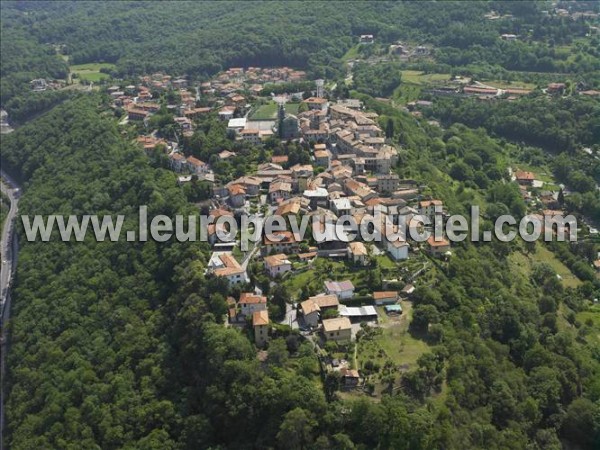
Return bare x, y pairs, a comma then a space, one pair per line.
418, 77
352, 53
412, 82
269, 111
385, 262
391, 343
322, 270
91, 72
593, 316
500, 84
524, 263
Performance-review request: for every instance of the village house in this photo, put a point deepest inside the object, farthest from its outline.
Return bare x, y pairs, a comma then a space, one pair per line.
343, 289
338, 329
277, 264
310, 313
196, 166
184, 123
280, 159
350, 378
314, 307
437, 248
326, 302
318, 197
430, 207
280, 242
388, 183
322, 158
226, 113
341, 206
178, 162
237, 195
251, 136
358, 254
280, 190
250, 303
250, 184
260, 324
149, 143
225, 154
292, 207
407, 290
225, 265
317, 103
136, 114
524, 178
385, 297
195, 113
397, 248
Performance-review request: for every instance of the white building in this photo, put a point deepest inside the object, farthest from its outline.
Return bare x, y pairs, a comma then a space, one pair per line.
343, 289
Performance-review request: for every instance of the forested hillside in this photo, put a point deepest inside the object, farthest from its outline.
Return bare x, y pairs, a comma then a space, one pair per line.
125, 344
199, 40
118, 344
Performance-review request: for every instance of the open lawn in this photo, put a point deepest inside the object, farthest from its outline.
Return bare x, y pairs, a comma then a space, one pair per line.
91, 71
322, 270
269, 111
419, 77
412, 81
385, 262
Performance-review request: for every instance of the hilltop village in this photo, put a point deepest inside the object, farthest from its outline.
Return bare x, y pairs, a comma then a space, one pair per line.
268, 141
347, 170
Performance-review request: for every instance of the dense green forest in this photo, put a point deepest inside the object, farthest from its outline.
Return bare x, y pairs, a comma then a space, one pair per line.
122, 344
561, 126
142, 37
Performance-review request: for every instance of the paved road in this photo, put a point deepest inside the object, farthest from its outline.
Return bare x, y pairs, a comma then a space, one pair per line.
9, 190
9, 248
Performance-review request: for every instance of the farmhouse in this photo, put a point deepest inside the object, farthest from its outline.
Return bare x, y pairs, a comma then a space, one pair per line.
385, 297
277, 264
250, 303
343, 289
260, 323
338, 329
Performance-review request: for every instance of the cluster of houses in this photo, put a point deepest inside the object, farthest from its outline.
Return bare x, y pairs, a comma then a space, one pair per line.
350, 174
323, 312
339, 190
544, 203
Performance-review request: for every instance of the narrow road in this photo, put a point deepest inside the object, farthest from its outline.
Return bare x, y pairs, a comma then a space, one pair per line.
9, 249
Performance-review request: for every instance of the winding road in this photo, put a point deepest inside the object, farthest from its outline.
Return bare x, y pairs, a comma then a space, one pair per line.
9, 250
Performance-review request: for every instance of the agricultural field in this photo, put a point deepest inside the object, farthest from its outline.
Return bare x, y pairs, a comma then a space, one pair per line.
91, 72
